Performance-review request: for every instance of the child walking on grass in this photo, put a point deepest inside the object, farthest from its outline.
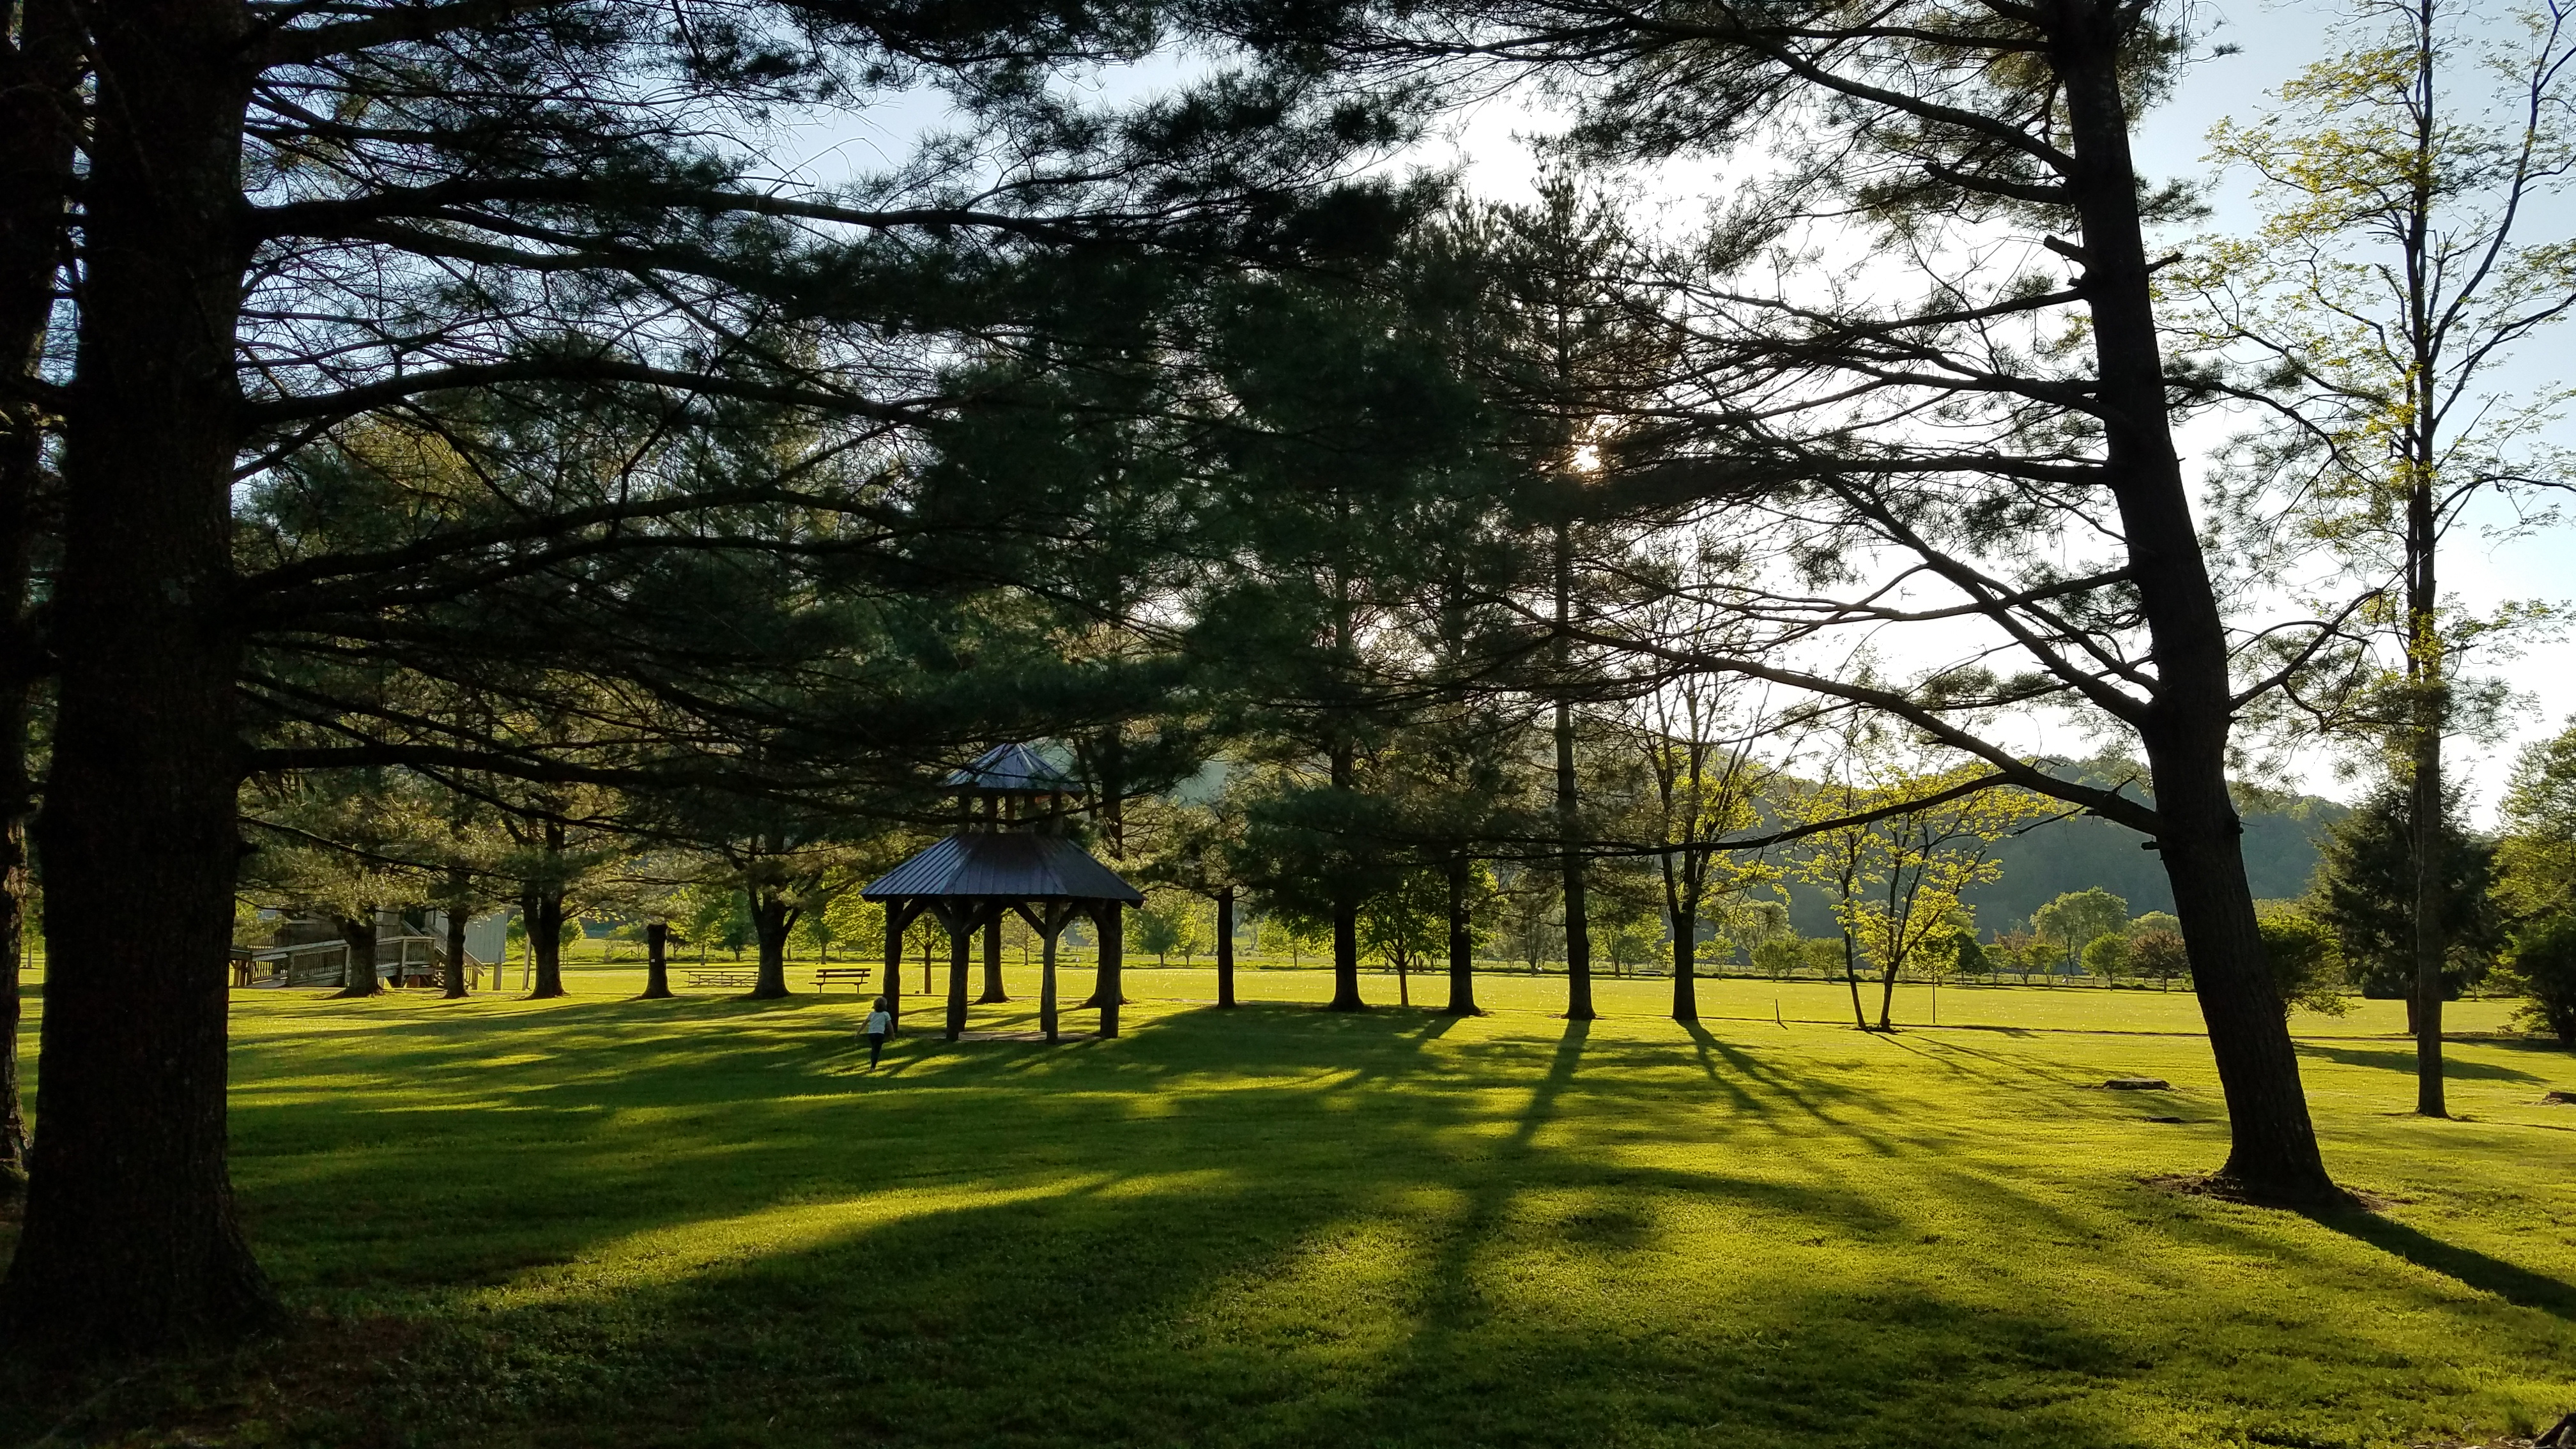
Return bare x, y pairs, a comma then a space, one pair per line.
880, 1022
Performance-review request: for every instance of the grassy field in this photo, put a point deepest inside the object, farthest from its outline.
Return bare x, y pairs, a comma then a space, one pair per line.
600, 1221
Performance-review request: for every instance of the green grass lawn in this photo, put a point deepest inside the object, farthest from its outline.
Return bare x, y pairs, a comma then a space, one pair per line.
600, 1221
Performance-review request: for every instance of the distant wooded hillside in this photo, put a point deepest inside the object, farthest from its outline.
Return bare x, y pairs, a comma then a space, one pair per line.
2281, 838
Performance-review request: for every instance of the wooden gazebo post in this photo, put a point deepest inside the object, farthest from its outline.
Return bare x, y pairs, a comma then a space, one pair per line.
899, 916
961, 921
1048, 919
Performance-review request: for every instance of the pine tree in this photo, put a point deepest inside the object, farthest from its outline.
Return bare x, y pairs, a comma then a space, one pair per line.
1966, 145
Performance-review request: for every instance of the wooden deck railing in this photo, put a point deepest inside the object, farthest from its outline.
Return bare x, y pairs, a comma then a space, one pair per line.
400, 960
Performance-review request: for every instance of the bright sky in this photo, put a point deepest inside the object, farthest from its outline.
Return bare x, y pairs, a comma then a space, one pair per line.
2274, 39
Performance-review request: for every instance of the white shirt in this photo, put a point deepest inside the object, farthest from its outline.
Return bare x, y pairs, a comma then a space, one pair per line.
879, 1023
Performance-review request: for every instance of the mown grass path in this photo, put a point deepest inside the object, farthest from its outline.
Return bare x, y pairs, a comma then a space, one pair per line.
700, 1222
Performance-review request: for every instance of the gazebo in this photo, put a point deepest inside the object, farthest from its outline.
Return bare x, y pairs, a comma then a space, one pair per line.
1010, 854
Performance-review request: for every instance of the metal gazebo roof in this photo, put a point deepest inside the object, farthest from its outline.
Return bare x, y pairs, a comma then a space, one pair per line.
998, 866
1012, 770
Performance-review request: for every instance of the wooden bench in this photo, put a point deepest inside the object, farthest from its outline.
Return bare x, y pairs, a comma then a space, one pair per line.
736, 980
857, 976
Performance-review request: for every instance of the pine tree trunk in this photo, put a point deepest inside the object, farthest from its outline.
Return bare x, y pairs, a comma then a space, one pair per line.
1346, 906
545, 945
39, 81
452, 975
1462, 942
1048, 1016
1225, 947
358, 933
771, 920
15, 799
1569, 815
1346, 958
130, 1242
1578, 926
1113, 964
657, 960
1685, 970
993, 989
2274, 1150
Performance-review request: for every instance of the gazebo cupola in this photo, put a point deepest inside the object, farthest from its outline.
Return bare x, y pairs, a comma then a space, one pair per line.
1012, 785
1009, 855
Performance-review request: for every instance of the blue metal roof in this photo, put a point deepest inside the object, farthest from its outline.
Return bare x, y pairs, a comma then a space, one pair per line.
1012, 770
1004, 867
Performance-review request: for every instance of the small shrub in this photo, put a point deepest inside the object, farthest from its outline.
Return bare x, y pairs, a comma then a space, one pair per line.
1967, 958
1780, 957
2543, 962
2306, 964
1825, 954
2107, 955
2160, 954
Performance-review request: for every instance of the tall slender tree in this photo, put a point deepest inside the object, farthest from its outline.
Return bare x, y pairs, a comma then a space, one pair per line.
1975, 148
1570, 354
2402, 259
1347, 481
1697, 734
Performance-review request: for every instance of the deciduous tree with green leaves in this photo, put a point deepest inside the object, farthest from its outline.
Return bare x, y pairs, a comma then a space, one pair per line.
1894, 850
2404, 254
2307, 962
2536, 850
2076, 919
1696, 734
2536, 881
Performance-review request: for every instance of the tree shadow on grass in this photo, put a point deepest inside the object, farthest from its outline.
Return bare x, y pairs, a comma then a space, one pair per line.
2468, 1267
1472, 1366
576, 1146
1267, 1227
1707, 1048
1211, 1309
2402, 1059
1221, 1310
1814, 1097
